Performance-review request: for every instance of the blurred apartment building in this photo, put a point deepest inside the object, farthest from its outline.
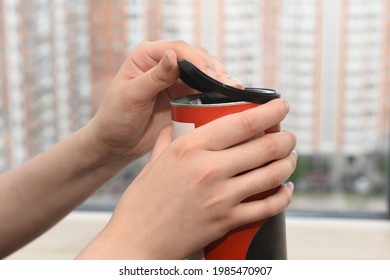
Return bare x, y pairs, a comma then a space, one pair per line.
330, 59
45, 84
335, 70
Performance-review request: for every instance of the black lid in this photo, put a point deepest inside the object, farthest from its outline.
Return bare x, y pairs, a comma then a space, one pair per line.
215, 91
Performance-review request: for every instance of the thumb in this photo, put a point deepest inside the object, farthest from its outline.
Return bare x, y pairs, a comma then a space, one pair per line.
163, 140
158, 78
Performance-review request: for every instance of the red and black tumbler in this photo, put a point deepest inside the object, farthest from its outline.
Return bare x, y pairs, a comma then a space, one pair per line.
261, 240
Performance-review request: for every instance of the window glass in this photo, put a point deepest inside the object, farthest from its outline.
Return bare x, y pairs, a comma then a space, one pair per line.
329, 59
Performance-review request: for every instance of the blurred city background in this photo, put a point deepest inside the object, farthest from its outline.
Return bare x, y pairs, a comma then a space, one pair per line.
330, 59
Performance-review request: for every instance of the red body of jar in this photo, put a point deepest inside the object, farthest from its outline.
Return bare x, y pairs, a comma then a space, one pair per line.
246, 242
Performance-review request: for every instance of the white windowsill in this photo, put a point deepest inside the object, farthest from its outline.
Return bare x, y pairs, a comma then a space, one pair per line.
307, 238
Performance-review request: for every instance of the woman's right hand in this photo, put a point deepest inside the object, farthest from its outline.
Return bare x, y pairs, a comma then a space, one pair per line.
191, 192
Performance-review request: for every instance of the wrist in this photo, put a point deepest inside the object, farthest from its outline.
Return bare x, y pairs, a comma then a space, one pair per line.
92, 156
113, 243
95, 155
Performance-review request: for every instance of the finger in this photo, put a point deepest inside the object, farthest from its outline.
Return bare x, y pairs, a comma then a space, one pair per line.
158, 78
258, 151
263, 178
197, 56
217, 70
152, 52
148, 54
218, 65
182, 49
226, 79
213, 62
253, 211
236, 128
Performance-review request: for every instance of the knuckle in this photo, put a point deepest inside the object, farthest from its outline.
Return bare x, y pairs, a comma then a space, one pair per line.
207, 175
289, 164
265, 208
281, 110
218, 205
158, 76
248, 123
145, 45
181, 44
182, 148
215, 203
223, 222
273, 205
274, 177
269, 145
201, 49
292, 138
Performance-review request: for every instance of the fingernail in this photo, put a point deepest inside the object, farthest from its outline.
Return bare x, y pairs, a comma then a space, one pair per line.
223, 78
226, 79
294, 153
166, 61
287, 105
289, 185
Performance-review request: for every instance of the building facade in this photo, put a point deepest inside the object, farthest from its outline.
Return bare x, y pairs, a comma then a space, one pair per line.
45, 85
330, 59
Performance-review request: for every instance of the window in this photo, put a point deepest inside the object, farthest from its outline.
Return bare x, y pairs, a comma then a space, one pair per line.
330, 59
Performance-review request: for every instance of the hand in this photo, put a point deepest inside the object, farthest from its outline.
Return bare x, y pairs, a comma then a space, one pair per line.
191, 192
136, 106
